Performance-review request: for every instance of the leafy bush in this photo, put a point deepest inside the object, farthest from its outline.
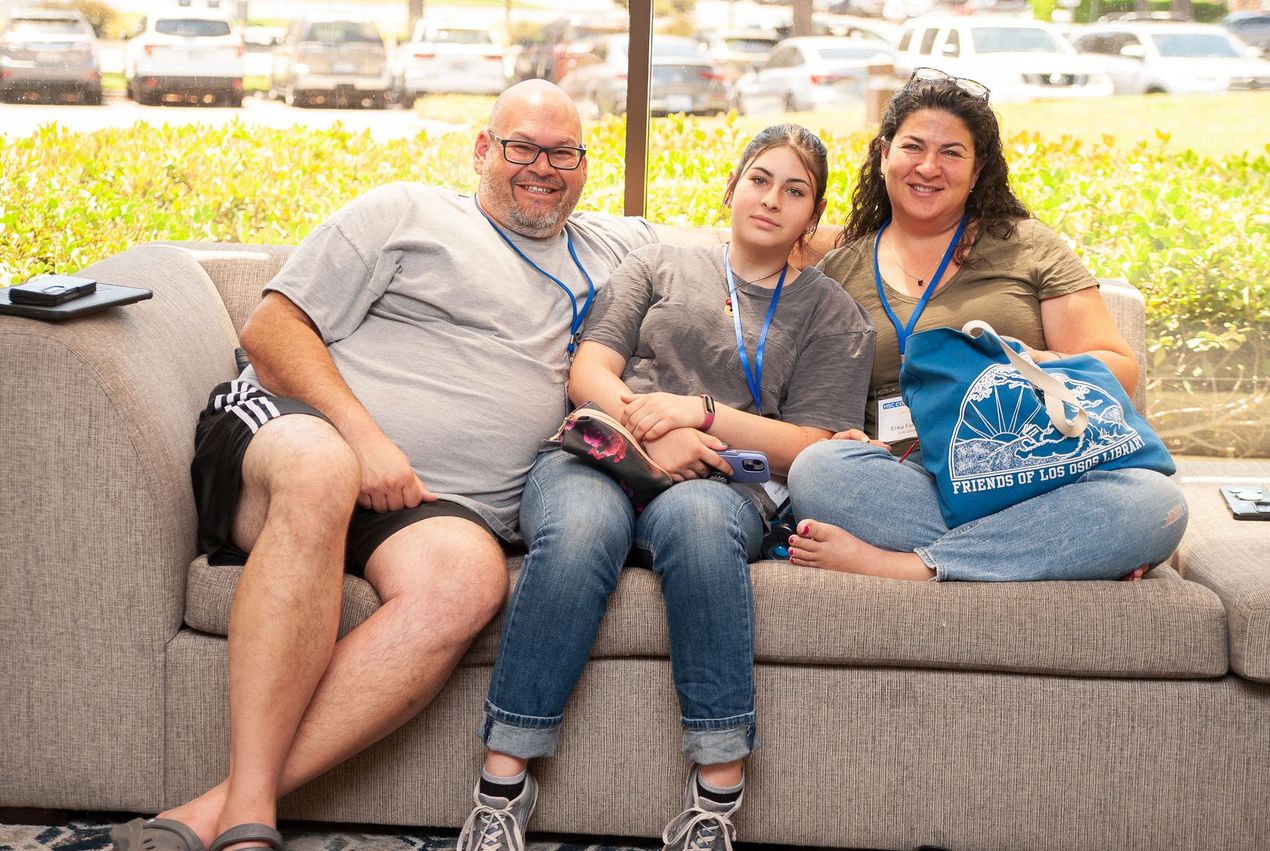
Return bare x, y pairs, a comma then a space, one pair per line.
1192, 232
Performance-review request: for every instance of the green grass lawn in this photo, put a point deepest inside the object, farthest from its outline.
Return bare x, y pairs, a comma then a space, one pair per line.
1210, 125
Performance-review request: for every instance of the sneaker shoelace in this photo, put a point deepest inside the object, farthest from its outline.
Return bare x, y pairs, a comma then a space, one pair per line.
495, 830
699, 830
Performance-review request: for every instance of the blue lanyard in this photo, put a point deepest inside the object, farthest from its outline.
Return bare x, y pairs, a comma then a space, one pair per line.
902, 333
753, 379
578, 317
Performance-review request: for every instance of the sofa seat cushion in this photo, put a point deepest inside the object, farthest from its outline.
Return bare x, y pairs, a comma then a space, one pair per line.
1161, 627
1229, 556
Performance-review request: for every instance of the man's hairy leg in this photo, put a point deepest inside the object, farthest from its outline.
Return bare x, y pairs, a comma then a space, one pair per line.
441, 581
300, 484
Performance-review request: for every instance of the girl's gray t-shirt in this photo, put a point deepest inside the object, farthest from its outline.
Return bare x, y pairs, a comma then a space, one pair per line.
454, 344
667, 311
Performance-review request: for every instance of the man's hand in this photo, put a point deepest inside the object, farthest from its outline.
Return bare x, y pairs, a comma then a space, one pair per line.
650, 416
388, 480
857, 434
686, 453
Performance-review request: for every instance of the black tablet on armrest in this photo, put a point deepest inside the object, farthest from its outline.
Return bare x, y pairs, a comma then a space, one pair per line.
106, 295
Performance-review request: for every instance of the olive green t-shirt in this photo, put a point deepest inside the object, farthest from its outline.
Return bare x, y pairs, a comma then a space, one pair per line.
1002, 282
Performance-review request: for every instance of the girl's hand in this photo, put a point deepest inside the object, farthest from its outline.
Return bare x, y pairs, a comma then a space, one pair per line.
857, 434
650, 416
686, 453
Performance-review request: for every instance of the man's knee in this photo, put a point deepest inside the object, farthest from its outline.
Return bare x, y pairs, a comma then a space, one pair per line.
303, 460
446, 572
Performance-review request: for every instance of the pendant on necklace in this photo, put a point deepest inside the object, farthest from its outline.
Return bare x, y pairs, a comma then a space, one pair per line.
727, 305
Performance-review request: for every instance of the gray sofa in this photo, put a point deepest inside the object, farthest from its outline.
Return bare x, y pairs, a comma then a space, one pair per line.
1046, 715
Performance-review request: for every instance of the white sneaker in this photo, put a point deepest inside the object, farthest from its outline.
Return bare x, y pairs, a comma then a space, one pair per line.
703, 825
497, 824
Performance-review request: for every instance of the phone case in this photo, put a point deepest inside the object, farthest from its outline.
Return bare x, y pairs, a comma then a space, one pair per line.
748, 465
51, 289
1247, 502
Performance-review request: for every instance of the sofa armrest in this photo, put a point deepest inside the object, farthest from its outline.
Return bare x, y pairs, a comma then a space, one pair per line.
98, 416
1128, 308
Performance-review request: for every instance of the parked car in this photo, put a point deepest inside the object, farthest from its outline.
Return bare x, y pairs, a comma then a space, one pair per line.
1016, 59
445, 58
332, 60
684, 78
811, 72
185, 55
1252, 28
1152, 57
563, 43
738, 50
48, 52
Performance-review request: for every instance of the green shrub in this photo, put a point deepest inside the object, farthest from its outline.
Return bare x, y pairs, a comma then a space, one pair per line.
1192, 232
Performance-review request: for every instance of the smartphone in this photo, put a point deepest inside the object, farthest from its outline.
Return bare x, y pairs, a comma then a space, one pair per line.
748, 465
51, 289
1247, 502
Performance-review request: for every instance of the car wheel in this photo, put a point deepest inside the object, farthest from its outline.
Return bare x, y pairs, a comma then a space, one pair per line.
406, 99
1156, 90
791, 104
234, 100
90, 96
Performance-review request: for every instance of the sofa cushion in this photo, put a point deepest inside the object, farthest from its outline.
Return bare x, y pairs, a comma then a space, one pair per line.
1229, 556
1161, 627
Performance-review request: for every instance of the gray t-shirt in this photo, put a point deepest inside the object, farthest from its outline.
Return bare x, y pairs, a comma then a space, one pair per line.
665, 310
454, 344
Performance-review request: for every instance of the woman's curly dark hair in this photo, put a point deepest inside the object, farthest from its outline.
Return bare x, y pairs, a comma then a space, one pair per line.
991, 203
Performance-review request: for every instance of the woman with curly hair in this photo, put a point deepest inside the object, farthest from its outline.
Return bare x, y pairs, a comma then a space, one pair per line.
937, 238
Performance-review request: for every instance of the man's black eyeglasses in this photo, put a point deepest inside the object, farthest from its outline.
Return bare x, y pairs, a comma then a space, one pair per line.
934, 75
563, 157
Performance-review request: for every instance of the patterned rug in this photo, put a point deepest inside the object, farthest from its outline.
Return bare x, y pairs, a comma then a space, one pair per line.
91, 832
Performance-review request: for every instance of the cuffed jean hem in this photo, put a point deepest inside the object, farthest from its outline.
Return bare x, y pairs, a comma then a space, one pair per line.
521, 736
707, 744
921, 553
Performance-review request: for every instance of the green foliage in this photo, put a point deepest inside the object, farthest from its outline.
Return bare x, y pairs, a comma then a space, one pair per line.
1192, 232
1090, 10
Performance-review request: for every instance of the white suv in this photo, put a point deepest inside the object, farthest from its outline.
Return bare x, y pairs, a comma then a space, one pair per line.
1150, 57
1016, 59
185, 56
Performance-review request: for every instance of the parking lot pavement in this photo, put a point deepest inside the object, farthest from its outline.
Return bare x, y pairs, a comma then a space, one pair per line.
23, 119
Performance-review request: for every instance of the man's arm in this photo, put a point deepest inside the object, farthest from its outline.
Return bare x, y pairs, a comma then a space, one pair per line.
291, 359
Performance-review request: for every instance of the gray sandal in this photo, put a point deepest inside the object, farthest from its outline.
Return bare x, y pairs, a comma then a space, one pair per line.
157, 834
250, 833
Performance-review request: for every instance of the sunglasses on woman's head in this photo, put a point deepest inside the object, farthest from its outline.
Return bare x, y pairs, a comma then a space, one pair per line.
934, 75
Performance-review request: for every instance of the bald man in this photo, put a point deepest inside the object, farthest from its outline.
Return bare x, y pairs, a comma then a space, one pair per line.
407, 362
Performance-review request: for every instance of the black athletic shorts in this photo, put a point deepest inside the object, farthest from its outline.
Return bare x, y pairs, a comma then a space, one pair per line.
235, 411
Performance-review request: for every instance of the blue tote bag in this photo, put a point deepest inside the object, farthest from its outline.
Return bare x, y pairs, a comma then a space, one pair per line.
996, 428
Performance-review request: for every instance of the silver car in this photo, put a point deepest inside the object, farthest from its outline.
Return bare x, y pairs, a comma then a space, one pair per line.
684, 78
48, 53
328, 60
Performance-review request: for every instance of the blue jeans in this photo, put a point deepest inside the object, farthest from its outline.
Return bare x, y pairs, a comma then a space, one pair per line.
1101, 526
700, 536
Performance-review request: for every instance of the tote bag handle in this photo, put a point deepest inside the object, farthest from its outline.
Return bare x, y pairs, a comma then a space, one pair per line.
1054, 391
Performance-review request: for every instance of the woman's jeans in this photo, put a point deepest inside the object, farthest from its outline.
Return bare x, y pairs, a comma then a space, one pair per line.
699, 536
1101, 526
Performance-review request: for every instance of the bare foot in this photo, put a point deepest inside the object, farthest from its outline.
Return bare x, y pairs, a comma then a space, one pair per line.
1136, 574
829, 547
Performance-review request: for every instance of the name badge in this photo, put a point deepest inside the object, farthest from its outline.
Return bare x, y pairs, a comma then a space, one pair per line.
895, 422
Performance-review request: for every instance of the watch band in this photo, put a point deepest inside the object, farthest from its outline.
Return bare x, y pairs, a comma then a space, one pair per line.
708, 402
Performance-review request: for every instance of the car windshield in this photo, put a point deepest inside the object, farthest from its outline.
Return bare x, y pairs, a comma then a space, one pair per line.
47, 26
749, 45
340, 32
1194, 45
457, 36
1013, 40
191, 27
677, 49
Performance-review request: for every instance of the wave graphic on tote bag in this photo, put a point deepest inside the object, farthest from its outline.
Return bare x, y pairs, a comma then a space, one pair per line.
1002, 428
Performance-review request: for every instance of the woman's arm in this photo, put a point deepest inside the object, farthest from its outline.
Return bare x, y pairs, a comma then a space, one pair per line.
651, 415
1079, 323
596, 376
